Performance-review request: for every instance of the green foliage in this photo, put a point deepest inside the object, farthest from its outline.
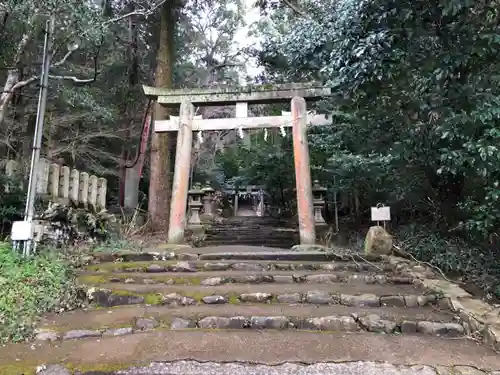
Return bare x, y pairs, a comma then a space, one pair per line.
472, 264
256, 161
417, 85
31, 287
11, 203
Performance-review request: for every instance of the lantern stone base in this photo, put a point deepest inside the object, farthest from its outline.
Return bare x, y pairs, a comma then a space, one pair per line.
195, 235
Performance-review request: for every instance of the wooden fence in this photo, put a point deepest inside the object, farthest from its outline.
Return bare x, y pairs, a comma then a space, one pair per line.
62, 184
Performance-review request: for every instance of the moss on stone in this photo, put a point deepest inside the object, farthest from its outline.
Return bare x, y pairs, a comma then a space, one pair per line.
123, 266
153, 299
233, 299
103, 367
166, 246
18, 369
157, 298
104, 278
94, 279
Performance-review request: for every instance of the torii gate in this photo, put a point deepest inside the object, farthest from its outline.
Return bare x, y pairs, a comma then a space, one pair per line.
186, 123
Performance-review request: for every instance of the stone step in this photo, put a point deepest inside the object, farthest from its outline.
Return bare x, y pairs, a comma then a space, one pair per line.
261, 232
235, 251
257, 219
270, 347
98, 319
250, 242
244, 228
245, 277
333, 323
253, 235
274, 255
239, 265
316, 294
265, 232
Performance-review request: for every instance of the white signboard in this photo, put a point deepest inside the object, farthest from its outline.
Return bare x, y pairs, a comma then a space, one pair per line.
381, 213
22, 231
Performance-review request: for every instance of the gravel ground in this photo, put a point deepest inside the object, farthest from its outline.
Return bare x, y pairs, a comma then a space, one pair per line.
215, 368
212, 368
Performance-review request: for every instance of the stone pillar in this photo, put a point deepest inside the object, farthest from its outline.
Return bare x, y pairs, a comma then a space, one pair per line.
302, 172
194, 206
260, 204
181, 175
208, 199
131, 195
235, 208
318, 202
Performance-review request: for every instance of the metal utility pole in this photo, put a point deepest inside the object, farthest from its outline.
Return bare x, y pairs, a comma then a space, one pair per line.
37, 141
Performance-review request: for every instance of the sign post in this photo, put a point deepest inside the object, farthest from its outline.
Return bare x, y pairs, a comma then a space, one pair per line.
381, 213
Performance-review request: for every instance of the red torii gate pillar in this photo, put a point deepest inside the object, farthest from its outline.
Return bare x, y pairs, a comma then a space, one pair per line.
180, 186
307, 230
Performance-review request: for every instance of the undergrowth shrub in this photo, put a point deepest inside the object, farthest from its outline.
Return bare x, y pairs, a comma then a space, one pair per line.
32, 286
458, 259
12, 203
474, 264
73, 225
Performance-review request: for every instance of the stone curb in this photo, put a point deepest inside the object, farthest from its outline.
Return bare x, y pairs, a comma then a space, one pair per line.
110, 298
478, 317
348, 323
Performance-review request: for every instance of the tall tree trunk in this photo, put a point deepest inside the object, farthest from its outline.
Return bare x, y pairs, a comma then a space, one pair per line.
12, 82
126, 184
160, 184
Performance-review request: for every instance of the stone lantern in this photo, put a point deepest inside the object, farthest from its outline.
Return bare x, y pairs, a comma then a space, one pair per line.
319, 193
194, 205
208, 199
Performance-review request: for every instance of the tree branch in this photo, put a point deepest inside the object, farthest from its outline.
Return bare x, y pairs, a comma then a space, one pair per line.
26, 38
142, 12
26, 82
4, 22
294, 7
73, 78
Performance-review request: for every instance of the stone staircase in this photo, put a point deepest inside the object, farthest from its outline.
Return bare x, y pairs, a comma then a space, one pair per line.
267, 306
252, 231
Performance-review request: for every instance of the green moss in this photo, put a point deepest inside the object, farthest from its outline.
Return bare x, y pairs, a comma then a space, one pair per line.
106, 277
123, 266
18, 369
106, 367
153, 299
157, 298
233, 299
93, 279
125, 293
191, 280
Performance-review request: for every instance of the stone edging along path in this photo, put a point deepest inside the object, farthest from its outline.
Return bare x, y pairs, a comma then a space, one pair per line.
477, 317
